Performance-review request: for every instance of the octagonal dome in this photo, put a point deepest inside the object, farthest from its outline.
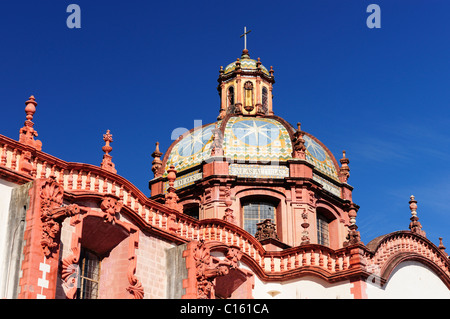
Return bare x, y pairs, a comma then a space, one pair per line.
247, 139
247, 64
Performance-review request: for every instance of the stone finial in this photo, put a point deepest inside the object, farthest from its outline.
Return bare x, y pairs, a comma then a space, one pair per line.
171, 176
157, 163
299, 147
414, 225
413, 206
441, 246
258, 64
171, 198
271, 71
107, 164
238, 64
353, 236
344, 171
27, 132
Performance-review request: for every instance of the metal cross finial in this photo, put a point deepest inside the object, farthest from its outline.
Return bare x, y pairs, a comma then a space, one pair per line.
245, 37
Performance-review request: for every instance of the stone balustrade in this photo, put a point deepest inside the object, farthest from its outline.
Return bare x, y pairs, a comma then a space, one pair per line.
27, 164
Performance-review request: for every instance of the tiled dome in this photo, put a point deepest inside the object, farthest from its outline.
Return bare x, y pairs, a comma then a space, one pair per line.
247, 64
248, 139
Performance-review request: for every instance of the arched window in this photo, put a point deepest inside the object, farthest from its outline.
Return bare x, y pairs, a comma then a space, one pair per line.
230, 96
256, 212
264, 98
323, 232
248, 95
89, 276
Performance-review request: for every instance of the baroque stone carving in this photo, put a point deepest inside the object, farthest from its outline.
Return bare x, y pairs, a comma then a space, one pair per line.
208, 268
265, 230
171, 198
110, 206
107, 163
298, 144
53, 212
27, 132
70, 272
229, 216
135, 288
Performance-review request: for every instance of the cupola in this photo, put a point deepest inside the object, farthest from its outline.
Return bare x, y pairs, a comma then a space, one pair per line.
245, 87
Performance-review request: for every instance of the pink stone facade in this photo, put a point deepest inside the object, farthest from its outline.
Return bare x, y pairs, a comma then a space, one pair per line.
76, 207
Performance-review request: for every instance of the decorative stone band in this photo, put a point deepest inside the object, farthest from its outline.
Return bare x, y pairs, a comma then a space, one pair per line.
383, 254
259, 171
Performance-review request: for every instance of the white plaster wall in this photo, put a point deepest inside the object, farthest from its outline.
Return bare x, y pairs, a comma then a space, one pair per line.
411, 280
5, 197
307, 287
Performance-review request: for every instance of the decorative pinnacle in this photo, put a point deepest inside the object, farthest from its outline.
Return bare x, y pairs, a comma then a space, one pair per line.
344, 170
108, 139
157, 163
171, 198
156, 153
441, 246
107, 164
30, 108
171, 175
27, 133
299, 147
415, 225
413, 206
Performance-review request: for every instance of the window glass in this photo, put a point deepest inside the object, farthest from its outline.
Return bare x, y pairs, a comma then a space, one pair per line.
322, 230
256, 212
89, 275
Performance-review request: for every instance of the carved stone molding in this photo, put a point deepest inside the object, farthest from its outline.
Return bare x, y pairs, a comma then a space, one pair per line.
70, 273
135, 288
208, 268
265, 230
53, 213
110, 206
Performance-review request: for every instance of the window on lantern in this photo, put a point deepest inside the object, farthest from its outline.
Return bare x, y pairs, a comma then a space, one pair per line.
323, 230
264, 98
256, 212
230, 96
89, 275
248, 94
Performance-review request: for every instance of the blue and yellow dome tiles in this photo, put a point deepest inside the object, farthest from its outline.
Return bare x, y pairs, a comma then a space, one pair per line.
256, 139
246, 64
192, 149
316, 155
247, 139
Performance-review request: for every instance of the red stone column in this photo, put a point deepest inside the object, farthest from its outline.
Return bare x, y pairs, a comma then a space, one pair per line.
39, 273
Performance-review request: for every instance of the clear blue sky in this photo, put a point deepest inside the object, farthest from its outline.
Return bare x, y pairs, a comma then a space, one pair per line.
145, 68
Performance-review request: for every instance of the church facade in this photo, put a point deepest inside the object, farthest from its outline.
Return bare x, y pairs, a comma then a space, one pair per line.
247, 206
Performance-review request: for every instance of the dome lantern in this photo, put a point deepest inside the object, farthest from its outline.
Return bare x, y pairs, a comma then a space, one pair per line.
245, 86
